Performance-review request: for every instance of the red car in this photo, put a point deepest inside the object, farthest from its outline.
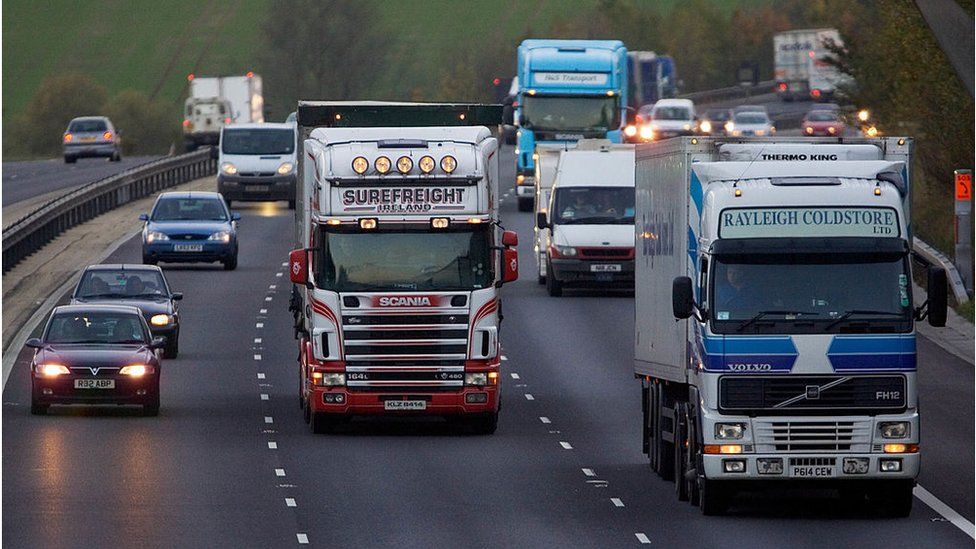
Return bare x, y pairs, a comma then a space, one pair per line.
822, 122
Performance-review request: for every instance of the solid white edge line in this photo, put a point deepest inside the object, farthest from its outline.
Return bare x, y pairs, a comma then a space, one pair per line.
279, 472
12, 351
616, 502
641, 537
947, 512
302, 539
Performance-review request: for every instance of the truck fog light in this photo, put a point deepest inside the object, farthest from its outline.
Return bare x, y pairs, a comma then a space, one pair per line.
340, 398
769, 466
856, 466
476, 398
480, 378
895, 429
890, 465
729, 431
734, 465
334, 398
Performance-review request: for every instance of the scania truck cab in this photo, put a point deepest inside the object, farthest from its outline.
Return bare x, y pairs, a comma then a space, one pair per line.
568, 90
399, 262
786, 263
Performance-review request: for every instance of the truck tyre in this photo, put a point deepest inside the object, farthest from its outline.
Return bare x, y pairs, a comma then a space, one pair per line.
486, 424
713, 498
681, 462
895, 497
525, 204
662, 452
553, 286
319, 423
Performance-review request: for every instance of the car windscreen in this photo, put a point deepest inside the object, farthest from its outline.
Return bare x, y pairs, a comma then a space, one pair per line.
258, 141
822, 116
87, 126
189, 209
751, 118
121, 284
416, 260
672, 113
96, 327
720, 115
593, 206
585, 113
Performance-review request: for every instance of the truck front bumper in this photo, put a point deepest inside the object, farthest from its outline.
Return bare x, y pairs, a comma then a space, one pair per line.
341, 400
277, 187
811, 467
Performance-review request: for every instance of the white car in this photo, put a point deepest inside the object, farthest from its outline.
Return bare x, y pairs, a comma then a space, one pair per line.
673, 117
257, 162
750, 123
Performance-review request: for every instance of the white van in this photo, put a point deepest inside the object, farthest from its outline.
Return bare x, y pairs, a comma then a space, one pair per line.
257, 162
590, 219
673, 117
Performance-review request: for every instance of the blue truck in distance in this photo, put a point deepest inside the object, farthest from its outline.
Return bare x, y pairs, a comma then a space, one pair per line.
652, 77
568, 90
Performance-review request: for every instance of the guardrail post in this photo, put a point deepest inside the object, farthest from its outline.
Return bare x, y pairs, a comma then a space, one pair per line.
964, 226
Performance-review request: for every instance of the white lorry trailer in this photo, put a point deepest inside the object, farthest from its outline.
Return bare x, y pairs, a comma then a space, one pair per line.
800, 64
546, 162
399, 262
217, 101
786, 263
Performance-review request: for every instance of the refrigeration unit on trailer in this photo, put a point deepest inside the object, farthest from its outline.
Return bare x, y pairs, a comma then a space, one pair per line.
399, 261
786, 263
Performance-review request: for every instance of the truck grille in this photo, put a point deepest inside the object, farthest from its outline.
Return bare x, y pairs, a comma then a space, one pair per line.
812, 436
787, 394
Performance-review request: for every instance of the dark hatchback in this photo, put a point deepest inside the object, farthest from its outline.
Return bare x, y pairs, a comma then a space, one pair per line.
141, 286
95, 354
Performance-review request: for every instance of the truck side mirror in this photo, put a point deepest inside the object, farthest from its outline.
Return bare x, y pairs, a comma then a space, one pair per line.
541, 220
509, 238
938, 290
682, 297
510, 267
298, 266
508, 115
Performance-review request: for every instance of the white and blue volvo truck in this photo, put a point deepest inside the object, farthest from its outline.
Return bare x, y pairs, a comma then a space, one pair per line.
775, 322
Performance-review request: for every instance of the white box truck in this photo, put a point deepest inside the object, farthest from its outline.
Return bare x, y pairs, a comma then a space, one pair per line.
217, 101
775, 322
800, 64
546, 163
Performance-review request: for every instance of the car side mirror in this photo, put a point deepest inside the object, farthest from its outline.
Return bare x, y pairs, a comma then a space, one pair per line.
34, 343
234, 216
509, 238
158, 342
298, 266
682, 297
508, 115
938, 302
143, 217
176, 296
541, 220
510, 265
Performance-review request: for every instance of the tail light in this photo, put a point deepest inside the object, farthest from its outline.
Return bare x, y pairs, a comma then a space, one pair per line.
227, 120
186, 123
68, 137
107, 136
815, 93
782, 86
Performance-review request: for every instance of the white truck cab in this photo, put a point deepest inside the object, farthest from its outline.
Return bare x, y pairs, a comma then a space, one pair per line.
590, 218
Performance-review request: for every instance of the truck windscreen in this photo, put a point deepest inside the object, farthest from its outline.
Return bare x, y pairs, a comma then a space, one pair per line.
594, 206
258, 141
570, 113
404, 260
808, 294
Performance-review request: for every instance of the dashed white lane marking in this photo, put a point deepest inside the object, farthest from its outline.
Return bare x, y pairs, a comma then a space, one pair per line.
290, 502
565, 445
515, 376
285, 264
642, 538
263, 311
616, 502
947, 512
260, 375
588, 472
279, 274
279, 472
302, 539
528, 396
259, 325
257, 340
264, 396
544, 419
268, 298
272, 446
504, 357
268, 419
272, 287
257, 357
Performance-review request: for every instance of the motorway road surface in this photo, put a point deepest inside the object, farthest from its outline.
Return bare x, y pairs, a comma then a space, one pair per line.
230, 463
24, 180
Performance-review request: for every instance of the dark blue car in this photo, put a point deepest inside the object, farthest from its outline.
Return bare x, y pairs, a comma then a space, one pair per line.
190, 227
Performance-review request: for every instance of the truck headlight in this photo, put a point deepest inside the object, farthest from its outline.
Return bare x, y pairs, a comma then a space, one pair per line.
285, 168
332, 379
228, 168
729, 431
161, 320
895, 429
153, 236
220, 236
479, 378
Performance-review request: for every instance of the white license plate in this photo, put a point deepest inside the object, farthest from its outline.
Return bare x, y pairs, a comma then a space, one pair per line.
405, 405
94, 384
89, 139
812, 471
257, 188
187, 247
605, 268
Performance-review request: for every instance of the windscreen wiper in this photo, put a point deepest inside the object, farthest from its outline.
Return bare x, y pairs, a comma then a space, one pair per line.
762, 314
852, 312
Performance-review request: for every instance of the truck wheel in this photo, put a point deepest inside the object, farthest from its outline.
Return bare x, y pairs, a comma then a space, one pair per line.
681, 485
319, 423
895, 497
663, 451
486, 424
713, 498
525, 204
553, 286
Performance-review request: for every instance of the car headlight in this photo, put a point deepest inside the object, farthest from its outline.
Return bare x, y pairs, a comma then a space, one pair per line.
729, 126
228, 168
729, 431
706, 127
565, 251
160, 320
687, 126
153, 236
135, 370
630, 130
895, 429
479, 378
647, 133
760, 132
285, 168
221, 236
51, 370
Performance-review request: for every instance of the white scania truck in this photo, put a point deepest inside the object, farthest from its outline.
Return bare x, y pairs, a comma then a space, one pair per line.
775, 323
399, 262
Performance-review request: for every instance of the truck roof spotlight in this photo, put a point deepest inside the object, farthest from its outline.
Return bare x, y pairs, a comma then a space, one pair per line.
426, 164
360, 165
448, 164
382, 165
404, 164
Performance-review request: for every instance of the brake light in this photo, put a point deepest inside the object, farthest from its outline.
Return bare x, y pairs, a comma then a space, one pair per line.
815, 93
186, 123
227, 120
68, 137
782, 86
107, 135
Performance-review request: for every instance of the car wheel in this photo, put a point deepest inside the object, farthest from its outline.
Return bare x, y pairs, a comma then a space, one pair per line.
38, 409
149, 260
151, 407
172, 348
553, 286
70, 159
291, 204
542, 279
116, 157
231, 263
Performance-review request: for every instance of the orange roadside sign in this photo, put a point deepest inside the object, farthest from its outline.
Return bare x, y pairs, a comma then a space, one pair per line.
964, 185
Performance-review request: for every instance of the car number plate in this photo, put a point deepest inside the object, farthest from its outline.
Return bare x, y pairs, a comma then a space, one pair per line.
604, 268
88, 139
405, 405
812, 471
187, 247
94, 384
257, 188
